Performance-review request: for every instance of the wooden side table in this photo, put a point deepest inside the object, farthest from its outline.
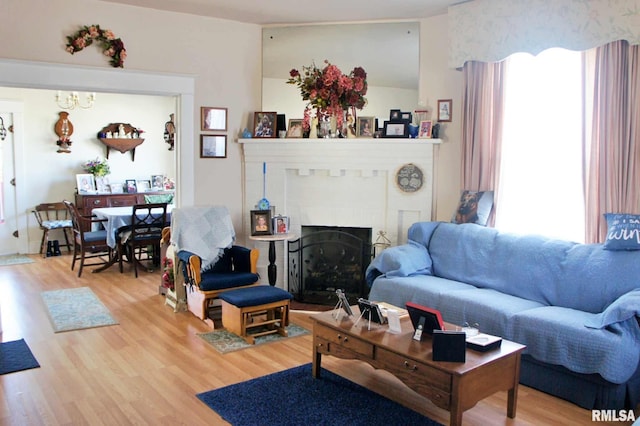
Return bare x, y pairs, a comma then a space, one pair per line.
272, 269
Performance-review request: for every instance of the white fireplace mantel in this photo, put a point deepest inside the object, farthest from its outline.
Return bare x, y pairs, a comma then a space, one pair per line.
340, 182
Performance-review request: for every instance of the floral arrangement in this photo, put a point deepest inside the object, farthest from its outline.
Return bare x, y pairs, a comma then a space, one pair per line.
330, 91
97, 167
168, 279
112, 47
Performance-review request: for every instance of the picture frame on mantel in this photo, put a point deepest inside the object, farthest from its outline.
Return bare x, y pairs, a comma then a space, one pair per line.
213, 119
395, 129
295, 128
265, 124
444, 110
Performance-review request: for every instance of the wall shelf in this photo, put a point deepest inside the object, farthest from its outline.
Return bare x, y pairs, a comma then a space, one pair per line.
118, 143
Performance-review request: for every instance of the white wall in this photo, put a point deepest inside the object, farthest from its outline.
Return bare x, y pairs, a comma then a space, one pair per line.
222, 57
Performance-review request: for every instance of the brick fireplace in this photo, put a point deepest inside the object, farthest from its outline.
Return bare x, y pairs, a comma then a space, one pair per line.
337, 183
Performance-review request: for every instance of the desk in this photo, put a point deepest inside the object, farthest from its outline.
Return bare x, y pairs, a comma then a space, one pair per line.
118, 217
272, 269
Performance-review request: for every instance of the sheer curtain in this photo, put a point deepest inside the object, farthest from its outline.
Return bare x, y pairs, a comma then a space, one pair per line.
612, 155
482, 106
541, 188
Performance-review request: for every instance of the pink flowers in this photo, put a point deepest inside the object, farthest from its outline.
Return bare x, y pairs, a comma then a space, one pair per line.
330, 91
112, 47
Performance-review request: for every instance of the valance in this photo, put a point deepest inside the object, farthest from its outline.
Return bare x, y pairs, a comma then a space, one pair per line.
491, 30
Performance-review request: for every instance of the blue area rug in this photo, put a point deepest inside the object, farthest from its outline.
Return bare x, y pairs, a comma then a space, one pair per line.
75, 309
16, 356
294, 397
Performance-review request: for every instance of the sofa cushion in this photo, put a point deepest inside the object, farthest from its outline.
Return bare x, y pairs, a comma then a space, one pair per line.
473, 207
623, 231
557, 335
491, 310
217, 281
421, 289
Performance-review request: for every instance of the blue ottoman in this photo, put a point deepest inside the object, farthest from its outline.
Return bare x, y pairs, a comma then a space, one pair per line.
256, 311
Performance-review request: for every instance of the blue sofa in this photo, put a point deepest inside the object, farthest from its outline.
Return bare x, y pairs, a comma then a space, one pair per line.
575, 306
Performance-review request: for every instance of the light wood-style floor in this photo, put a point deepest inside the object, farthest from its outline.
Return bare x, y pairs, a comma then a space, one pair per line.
147, 369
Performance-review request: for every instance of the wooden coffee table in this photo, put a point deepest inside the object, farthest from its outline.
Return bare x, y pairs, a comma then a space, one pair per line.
453, 386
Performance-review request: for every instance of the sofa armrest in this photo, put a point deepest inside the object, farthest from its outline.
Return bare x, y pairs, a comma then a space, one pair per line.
401, 261
622, 309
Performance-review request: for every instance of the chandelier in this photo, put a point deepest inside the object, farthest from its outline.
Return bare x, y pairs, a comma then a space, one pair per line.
73, 100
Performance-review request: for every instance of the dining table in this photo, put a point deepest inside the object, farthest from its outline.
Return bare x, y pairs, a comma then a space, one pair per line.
117, 217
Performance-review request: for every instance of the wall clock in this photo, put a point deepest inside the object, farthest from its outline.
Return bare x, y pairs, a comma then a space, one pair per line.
409, 178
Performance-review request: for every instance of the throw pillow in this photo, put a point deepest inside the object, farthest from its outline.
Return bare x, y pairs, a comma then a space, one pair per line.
474, 207
623, 231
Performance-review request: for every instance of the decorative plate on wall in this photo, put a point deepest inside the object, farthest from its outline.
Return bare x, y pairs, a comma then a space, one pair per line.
409, 178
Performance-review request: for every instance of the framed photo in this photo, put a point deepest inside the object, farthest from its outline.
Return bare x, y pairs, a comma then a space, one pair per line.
213, 146
280, 224
365, 127
261, 222
143, 185
264, 124
395, 114
295, 128
425, 129
130, 186
395, 129
406, 116
444, 110
86, 183
116, 188
157, 182
213, 118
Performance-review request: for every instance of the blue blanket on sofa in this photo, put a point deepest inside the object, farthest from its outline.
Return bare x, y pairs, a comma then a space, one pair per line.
572, 304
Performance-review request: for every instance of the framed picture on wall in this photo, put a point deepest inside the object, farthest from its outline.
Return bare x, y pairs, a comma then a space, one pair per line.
261, 222
213, 118
444, 110
213, 146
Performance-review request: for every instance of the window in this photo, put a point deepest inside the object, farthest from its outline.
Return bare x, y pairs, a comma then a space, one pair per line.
541, 189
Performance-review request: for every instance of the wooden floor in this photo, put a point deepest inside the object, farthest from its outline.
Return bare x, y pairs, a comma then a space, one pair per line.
147, 369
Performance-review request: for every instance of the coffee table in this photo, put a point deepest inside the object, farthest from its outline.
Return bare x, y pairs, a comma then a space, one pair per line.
453, 386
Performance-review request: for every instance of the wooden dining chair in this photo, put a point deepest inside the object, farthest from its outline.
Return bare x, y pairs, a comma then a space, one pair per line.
51, 216
87, 244
143, 236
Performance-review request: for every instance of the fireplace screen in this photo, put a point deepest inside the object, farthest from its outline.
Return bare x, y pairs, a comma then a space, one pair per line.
327, 258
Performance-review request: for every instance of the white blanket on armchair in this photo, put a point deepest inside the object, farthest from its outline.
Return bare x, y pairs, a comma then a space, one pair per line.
202, 230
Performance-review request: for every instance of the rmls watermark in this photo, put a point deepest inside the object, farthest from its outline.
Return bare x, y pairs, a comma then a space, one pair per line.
613, 416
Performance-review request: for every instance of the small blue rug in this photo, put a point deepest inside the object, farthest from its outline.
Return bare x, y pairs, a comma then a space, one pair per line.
293, 397
14, 259
16, 356
76, 308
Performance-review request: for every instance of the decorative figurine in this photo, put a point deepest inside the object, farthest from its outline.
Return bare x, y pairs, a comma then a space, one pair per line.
170, 131
64, 129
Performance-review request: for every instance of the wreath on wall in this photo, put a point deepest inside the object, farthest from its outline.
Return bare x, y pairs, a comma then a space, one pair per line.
112, 46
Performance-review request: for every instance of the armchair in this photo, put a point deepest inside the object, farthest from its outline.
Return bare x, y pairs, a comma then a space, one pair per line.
203, 242
236, 268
